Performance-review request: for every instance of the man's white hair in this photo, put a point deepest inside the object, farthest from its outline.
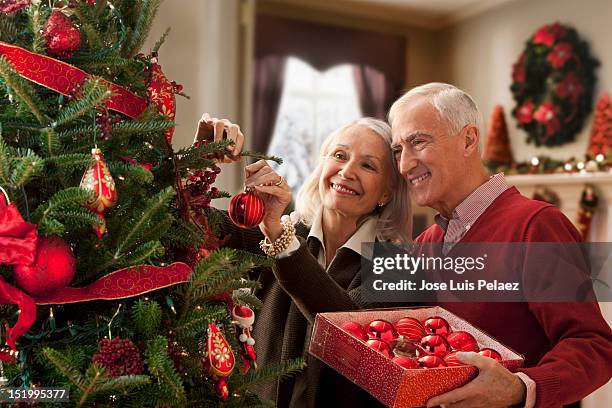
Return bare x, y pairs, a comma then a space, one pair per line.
456, 107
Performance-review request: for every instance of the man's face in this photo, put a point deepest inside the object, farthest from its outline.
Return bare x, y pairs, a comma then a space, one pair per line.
428, 157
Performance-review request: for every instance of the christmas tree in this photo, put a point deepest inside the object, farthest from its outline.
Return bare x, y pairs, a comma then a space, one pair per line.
497, 151
112, 282
601, 134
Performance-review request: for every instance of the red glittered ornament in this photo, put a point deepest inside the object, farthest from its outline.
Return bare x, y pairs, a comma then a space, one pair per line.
451, 360
383, 330
12, 6
406, 362
381, 346
246, 209
98, 179
410, 328
431, 362
355, 329
433, 344
53, 268
437, 325
62, 36
161, 92
487, 352
462, 341
119, 357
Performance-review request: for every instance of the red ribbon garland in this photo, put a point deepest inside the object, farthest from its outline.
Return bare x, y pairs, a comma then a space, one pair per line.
65, 78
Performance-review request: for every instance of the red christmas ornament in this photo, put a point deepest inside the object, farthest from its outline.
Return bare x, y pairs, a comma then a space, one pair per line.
53, 267
119, 357
381, 346
487, 352
462, 341
161, 93
437, 325
244, 317
406, 362
410, 328
246, 209
219, 359
451, 360
99, 181
383, 330
433, 344
62, 36
11, 6
355, 329
431, 362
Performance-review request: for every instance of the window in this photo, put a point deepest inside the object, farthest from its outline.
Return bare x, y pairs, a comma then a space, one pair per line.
313, 105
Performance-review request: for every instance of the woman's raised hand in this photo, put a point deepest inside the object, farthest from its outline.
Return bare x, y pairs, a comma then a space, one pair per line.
275, 193
221, 129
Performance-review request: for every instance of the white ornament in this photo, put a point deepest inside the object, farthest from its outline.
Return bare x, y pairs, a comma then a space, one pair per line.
250, 341
243, 337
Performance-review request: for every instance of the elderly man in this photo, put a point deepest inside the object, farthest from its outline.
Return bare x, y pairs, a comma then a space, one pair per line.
567, 346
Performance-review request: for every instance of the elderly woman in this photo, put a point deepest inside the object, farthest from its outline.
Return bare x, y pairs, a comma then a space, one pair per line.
354, 195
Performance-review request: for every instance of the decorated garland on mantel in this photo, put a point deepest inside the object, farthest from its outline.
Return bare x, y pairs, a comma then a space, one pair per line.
552, 85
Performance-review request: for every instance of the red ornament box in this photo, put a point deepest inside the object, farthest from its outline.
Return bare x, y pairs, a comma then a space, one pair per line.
391, 384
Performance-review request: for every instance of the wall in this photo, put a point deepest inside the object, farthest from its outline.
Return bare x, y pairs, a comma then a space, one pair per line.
203, 52
478, 54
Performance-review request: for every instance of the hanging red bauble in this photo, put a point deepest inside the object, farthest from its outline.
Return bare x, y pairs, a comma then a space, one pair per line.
355, 329
487, 352
161, 93
53, 267
462, 341
431, 362
437, 325
11, 6
381, 346
451, 360
406, 362
433, 344
383, 330
62, 36
410, 328
246, 209
99, 181
119, 357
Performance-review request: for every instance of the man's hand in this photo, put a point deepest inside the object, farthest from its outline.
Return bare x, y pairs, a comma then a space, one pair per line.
494, 386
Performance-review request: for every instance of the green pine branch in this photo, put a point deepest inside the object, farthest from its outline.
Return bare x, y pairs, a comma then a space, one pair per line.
146, 13
63, 364
5, 160
23, 90
49, 142
93, 94
142, 254
162, 368
133, 126
247, 299
146, 317
88, 23
184, 234
26, 165
130, 171
9, 28
67, 199
70, 162
37, 17
136, 229
161, 40
282, 369
196, 320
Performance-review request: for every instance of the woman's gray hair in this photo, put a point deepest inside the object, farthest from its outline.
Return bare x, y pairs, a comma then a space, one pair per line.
456, 107
395, 221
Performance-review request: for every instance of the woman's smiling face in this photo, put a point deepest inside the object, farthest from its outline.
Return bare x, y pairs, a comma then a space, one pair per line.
356, 173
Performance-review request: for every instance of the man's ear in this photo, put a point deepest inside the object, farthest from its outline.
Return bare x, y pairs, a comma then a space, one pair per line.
471, 138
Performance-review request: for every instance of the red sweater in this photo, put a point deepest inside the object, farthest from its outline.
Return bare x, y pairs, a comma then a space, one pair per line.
567, 346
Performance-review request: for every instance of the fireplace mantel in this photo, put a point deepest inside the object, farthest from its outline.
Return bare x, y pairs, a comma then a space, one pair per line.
568, 188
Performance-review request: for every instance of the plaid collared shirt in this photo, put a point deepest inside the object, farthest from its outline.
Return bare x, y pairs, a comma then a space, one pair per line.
468, 211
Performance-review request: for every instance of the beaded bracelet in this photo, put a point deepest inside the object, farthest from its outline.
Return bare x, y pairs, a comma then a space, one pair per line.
281, 243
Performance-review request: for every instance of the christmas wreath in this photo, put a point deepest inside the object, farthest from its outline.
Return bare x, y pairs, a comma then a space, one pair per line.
552, 84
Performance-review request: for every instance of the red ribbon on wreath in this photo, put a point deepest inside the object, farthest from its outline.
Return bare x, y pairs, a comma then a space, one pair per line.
65, 78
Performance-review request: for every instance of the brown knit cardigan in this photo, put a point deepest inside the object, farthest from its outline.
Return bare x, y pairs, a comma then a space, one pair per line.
293, 293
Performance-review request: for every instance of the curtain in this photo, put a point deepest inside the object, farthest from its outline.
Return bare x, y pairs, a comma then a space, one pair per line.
267, 92
376, 93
